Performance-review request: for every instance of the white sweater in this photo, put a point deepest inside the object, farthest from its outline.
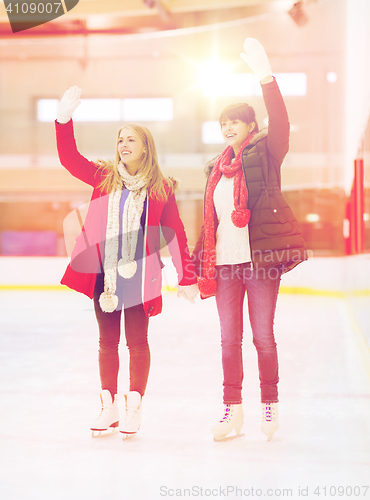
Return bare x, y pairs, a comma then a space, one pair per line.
232, 243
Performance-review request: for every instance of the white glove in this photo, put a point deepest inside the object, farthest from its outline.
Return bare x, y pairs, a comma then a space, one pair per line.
69, 102
256, 58
189, 292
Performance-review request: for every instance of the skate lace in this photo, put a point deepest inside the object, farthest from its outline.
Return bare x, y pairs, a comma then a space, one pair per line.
227, 414
105, 410
131, 414
268, 412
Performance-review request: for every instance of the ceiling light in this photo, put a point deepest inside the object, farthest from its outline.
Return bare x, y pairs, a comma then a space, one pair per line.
297, 14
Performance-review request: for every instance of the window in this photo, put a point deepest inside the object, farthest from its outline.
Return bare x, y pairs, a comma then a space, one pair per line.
211, 133
290, 84
47, 110
98, 110
247, 85
150, 109
235, 84
111, 110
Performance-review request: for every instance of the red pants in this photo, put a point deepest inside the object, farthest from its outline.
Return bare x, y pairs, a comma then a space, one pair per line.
136, 332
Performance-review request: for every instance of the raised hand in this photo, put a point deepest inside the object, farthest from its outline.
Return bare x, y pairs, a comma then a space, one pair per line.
69, 102
256, 58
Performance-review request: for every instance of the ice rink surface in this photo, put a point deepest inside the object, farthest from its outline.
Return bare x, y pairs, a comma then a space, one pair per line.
50, 394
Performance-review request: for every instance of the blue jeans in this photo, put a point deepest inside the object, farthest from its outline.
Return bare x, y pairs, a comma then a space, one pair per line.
262, 287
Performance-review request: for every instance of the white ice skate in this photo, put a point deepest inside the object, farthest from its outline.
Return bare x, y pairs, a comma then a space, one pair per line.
270, 419
233, 419
132, 420
107, 422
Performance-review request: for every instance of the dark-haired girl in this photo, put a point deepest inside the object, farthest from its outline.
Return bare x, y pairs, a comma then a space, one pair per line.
249, 238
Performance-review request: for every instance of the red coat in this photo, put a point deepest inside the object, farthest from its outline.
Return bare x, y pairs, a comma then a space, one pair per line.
86, 260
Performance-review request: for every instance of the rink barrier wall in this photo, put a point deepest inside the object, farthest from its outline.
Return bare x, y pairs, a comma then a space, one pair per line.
326, 276
362, 343
345, 278
283, 289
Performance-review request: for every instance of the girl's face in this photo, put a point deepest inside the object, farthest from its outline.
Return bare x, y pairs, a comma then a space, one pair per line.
131, 150
235, 132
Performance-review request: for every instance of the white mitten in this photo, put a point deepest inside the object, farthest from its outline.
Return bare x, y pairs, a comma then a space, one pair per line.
189, 292
256, 58
69, 102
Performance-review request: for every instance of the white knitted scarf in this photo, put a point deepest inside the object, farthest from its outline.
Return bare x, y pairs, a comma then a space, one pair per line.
132, 212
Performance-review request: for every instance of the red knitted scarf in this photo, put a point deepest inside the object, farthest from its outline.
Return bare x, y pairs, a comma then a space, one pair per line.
239, 216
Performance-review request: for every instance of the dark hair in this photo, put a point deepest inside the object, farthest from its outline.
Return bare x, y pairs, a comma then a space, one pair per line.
240, 111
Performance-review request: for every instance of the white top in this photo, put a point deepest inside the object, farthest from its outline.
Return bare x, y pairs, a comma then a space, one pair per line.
232, 243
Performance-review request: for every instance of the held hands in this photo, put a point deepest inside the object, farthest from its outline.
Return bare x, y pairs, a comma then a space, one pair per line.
189, 292
256, 58
69, 102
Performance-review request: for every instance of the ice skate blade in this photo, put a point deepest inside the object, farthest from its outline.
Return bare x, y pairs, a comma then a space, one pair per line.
98, 433
126, 436
104, 433
269, 436
219, 439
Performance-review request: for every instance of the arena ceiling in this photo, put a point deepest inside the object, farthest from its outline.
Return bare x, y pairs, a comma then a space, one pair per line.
139, 16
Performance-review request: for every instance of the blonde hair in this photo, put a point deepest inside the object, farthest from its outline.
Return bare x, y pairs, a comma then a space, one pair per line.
149, 169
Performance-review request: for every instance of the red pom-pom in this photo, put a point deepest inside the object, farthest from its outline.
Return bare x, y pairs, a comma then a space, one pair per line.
207, 287
240, 217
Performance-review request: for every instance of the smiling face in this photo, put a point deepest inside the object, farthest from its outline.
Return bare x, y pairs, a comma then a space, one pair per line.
235, 132
237, 121
131, 150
